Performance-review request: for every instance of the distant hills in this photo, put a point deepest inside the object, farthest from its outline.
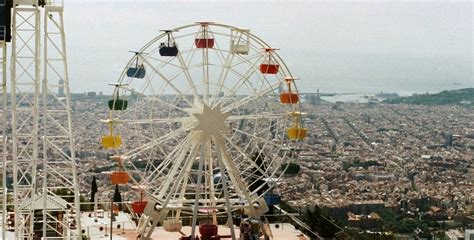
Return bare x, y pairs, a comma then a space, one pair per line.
459, 97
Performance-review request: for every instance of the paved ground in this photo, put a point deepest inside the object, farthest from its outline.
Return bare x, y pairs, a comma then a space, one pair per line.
281, 231
127, 231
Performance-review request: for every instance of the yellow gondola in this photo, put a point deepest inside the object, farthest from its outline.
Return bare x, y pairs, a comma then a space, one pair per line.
296, 132
111, 141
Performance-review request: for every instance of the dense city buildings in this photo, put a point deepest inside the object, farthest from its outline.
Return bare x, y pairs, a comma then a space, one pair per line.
359, 160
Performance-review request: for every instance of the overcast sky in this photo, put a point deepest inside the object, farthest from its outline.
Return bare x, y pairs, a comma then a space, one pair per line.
356, 46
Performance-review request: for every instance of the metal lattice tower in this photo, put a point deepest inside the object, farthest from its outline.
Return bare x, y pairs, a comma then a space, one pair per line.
43, 149
4, 135
25, 93
59, 166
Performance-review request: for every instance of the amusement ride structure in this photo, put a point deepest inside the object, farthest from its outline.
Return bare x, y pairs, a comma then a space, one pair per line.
205, 118
204, 121
38, 147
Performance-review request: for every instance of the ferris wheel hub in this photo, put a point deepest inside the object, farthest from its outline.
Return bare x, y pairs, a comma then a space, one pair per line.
211, 122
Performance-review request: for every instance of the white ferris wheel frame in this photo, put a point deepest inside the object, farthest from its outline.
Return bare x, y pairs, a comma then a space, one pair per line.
168, 182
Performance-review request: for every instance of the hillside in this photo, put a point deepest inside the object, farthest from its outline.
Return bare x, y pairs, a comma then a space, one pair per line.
460, 96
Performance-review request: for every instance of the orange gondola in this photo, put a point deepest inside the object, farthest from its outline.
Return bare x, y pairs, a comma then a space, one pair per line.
119, 177
289, 97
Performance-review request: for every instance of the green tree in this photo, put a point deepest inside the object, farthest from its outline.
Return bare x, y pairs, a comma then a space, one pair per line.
93, 189
118, 197
65, 194
84, 206
390, 221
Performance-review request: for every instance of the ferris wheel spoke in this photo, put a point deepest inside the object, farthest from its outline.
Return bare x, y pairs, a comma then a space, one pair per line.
260, 139
143, 175
249, 98
228, 66
175, 158
186, 64
252, 65
223, 75
158, 141
244, 156
225, 157
180, 147
255, 174
164, 62
260, 116
178, 164
148, 85
150, 165
154, 121
247, 60
205, 74
184, 67
243, 78
170, 105
167, 81
248, 84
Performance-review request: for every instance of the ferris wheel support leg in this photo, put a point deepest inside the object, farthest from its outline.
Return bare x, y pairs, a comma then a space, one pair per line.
198, 190
226, 194
146, 233
210, 179
153, 221
233, 171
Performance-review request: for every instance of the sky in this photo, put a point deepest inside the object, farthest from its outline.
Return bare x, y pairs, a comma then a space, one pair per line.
334, 46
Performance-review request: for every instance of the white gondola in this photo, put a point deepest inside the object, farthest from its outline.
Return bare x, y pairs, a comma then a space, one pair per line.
239, 41
172, 225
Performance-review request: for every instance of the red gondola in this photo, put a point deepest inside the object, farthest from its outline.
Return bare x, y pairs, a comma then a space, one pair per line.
269, 66
139, 206
207, 230
204, 40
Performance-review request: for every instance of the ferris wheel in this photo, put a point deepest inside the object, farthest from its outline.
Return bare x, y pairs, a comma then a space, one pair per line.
207, 117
